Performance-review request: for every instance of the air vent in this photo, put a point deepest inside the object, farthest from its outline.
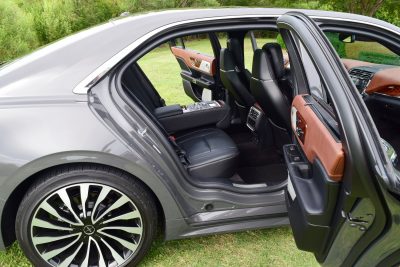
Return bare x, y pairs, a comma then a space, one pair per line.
252, 118
361, 74
361, 78
254, 113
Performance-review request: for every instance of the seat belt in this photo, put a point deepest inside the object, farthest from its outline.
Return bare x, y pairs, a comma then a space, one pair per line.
179, 151
153, 95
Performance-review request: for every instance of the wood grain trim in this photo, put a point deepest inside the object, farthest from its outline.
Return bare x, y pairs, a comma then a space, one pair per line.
194, 60
386, 81
352, 63
319, 142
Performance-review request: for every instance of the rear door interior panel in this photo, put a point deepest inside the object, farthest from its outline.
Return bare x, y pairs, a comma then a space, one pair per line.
315, 165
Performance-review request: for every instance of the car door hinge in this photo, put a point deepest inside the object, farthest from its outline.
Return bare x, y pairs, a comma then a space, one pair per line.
360, 222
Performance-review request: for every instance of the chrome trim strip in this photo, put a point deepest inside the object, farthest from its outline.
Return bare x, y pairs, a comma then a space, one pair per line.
89, 81
250, 186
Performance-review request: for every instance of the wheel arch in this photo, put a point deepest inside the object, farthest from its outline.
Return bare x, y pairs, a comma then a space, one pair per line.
167, 206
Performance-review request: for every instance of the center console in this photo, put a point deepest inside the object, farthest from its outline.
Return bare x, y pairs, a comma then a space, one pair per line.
201, 106
176, 118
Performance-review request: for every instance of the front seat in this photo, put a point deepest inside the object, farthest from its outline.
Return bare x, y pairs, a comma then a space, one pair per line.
265, 88
234, 76
275, 55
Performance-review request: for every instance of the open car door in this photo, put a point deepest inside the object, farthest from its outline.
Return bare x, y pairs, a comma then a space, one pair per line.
199, 71
341, 204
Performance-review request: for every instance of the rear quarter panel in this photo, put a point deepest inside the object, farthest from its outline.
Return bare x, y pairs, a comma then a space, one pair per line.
38, 133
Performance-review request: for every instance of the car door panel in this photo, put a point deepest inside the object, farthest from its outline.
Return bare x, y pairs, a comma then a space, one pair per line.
341, 163
195, 60
315, 165
197, 71
315, 138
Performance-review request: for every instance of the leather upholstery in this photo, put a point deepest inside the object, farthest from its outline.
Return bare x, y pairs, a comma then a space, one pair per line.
274, 52
318, 142
265, 88
233, 74
275, 55
235, 48
211, 153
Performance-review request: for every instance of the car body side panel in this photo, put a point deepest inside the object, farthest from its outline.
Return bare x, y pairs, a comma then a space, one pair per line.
39, 135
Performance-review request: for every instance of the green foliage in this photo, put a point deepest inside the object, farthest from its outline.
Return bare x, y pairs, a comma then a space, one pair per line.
87, 13
336, 43
53, 19
280, 41
390, 14
28, 24
17, 36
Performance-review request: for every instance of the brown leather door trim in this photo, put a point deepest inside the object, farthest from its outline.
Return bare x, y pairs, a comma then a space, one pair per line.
195, 60
386, 81
318, 141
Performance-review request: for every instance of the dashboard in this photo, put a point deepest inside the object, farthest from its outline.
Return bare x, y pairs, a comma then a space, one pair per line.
372, 78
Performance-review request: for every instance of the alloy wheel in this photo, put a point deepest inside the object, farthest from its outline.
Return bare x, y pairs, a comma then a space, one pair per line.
86, 224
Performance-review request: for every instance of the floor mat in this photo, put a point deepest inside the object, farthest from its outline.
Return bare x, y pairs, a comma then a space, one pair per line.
271, 174
250, 153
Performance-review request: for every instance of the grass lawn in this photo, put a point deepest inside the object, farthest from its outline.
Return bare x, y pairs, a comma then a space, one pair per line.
269, 247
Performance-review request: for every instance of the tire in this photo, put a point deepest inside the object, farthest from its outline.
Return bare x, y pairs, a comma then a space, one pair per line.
116, 226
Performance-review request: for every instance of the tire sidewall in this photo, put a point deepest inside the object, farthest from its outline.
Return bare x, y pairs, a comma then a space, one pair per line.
39, 192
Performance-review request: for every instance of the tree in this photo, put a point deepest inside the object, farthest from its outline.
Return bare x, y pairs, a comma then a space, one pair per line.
363, 7
196, 3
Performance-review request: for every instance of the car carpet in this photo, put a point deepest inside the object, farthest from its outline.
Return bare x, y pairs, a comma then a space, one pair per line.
271, 174
250, 153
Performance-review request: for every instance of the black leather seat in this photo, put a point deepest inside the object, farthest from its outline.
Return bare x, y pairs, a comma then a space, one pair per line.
234, 76
265, 88
211, 153
274, 53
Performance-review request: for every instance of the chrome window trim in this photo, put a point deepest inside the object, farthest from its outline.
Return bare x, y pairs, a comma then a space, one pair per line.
84, 86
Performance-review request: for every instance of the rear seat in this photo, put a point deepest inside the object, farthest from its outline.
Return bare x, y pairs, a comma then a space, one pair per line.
209, 153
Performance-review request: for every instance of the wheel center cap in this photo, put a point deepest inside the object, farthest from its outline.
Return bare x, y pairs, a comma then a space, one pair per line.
89, 229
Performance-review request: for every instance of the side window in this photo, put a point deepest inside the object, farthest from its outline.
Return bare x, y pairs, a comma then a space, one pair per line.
222, 38
163, 71
248, 51
315, 84
200, 43
358, 47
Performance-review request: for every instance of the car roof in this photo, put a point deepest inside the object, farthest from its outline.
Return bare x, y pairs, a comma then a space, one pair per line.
58, 68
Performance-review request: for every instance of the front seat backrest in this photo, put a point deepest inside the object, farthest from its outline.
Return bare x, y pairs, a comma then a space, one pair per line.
233, 74
274, 53
265, 88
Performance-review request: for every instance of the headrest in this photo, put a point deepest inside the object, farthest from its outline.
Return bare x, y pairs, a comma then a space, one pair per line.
274, 53
262, 68
235, 48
